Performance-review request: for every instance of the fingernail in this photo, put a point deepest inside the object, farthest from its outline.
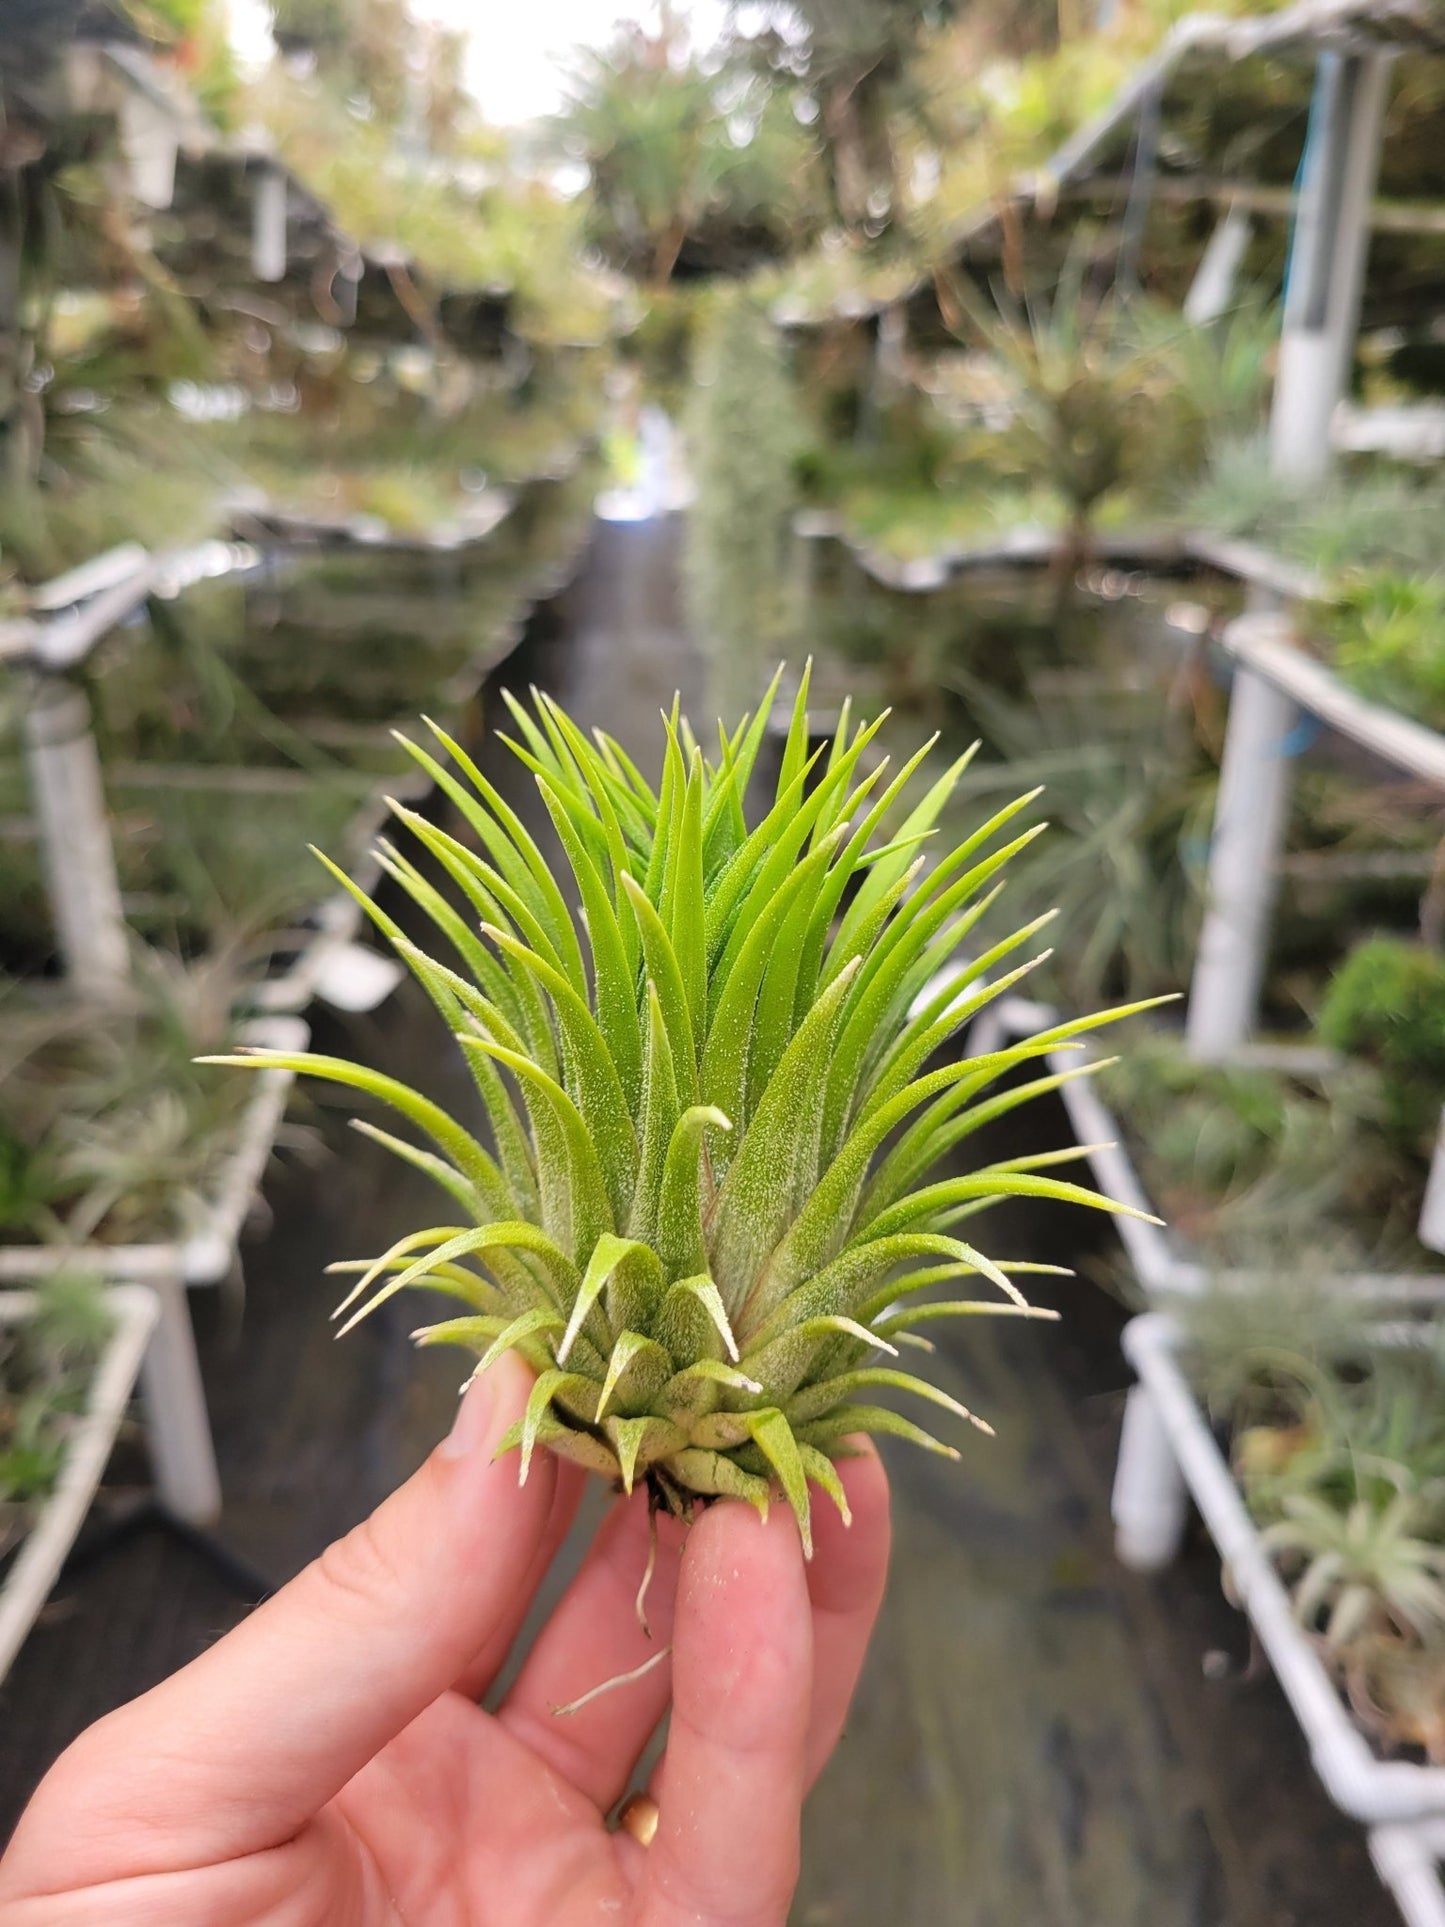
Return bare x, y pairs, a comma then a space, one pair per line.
472, 1422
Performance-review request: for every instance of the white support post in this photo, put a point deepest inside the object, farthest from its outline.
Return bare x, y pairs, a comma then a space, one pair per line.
804, 572
1250, 815
268, 223
1432, 1211
178, 1427
1327, 261
74, 829
151, 142
1407, 1858
891, 352
1212, 288
1322, 312
1150, 1501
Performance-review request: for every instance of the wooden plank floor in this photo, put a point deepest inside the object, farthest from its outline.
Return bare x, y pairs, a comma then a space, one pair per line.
1035, 1744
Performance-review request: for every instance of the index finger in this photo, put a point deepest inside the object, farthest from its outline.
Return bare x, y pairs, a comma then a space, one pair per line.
731, 1797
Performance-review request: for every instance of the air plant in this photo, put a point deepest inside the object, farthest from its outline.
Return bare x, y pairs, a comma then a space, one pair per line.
1384, 625
705, 1216
108, 1128
1368, 1568
1339, 1448
1097, 403
1266, 1167
46, 1360
1130, 791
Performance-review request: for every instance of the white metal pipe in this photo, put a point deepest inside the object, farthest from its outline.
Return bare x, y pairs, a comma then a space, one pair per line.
1322, 313
1372, 1790
1432, 1211
1327, 260
268, 223
1407, 1859
79, 858
1212, 288
1150, 1502
37, 1565
1250, 815
1299, 425
150, 141
178, 1426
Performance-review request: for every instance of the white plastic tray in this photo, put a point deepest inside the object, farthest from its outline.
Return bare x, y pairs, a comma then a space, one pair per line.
42, 1554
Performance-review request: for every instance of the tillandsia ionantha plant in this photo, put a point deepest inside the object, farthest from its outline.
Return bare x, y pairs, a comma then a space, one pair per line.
706, 1211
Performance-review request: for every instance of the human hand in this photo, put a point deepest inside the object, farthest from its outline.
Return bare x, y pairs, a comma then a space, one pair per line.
327, 1765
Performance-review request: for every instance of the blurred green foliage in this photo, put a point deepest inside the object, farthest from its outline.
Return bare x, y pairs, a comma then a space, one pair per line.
46, 1362
1265, 1168
686, 166
1387, 635
743, 434
1386, 1003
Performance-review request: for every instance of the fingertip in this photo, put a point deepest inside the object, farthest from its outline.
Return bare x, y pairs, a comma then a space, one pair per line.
476, 1485
732, 1545
491, 1401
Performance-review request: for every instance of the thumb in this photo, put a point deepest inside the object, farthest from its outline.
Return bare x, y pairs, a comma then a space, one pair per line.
235, 1752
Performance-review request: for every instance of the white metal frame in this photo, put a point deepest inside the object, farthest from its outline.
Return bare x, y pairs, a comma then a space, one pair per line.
181, 1445
1321, 321
1274, 683
1268, 646
261, 521
37, 1565
1408, 1860
182, 1448
1377, 1792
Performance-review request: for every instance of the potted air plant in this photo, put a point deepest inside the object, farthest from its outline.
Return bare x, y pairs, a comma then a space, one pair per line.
70, 1353
706, 1217
1324, 1506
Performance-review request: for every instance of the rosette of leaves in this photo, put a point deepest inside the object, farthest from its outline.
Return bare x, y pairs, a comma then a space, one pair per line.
705, 1215
1385, 628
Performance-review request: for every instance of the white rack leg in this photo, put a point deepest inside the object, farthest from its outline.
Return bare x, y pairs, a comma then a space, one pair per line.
1150, 1500
1327, 261
183, 1454
1212, 289
79, 858
269, 214
1250, 816
1432, 1211
1322, 315
1407, 1861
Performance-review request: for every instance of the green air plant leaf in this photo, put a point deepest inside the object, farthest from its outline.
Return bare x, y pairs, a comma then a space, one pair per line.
704, 1206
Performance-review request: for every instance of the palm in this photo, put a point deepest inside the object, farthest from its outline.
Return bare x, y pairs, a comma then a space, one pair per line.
531, 1848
